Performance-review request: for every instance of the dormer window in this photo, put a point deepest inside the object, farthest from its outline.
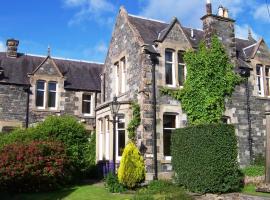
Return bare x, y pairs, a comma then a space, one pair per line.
263, 80
46, 94
51, 95
40, 94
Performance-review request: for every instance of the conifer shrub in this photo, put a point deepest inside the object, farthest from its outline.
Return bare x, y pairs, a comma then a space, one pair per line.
34, 166
204, 158
132, 169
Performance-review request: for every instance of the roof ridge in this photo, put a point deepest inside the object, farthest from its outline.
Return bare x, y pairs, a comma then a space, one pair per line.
146, 18
67, 59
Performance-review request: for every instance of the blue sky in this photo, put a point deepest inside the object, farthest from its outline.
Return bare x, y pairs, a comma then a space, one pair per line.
81, 29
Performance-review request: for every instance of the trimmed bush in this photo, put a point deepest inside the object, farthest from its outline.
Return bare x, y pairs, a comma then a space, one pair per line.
132, 169
34, 166
204, 158
73, 134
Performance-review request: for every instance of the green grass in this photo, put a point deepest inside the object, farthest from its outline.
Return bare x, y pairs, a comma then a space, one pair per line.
86, 192
250, 190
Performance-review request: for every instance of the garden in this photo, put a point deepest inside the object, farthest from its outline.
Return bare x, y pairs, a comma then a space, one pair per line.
56, 158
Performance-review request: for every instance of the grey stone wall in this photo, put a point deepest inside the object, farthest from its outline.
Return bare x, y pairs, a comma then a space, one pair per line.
123, 44
12, 103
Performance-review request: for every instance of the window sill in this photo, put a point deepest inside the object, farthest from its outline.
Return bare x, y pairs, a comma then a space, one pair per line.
87, 116
173, 87
263, 97
46, 110
165, 161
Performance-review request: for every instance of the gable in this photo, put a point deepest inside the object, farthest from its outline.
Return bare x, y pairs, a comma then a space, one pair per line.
177, 35
262, 52
48, 67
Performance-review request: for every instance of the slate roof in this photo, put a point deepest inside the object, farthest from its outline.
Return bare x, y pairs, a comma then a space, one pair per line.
79, 75
152, 30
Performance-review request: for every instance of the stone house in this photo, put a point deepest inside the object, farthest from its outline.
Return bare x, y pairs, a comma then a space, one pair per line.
33, 87
127, 75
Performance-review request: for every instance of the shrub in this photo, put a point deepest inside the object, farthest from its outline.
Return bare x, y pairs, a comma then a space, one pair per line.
21, 136
161, 190
73, 134
112, 183
34, 166
132, 169
204, 158
254, 170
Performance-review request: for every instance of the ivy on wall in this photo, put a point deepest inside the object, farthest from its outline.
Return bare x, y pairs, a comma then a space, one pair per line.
134, 122
210, 79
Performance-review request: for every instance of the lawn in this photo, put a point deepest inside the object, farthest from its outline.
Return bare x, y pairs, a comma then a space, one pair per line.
86, 192
250, 190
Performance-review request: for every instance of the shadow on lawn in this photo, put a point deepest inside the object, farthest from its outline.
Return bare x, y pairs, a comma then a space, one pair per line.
55, 195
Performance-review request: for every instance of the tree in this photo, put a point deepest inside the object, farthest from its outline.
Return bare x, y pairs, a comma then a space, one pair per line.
210, 79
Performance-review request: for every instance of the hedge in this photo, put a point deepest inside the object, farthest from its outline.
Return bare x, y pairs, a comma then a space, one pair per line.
204, 158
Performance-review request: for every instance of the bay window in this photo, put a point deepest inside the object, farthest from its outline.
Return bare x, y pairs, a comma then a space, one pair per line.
120, 135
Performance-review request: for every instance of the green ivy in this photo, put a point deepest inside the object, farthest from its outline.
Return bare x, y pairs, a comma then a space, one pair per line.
210, 79
135, 121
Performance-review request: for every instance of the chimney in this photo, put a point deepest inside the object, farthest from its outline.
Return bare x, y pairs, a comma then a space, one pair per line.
221, 26
208, 7
12, 46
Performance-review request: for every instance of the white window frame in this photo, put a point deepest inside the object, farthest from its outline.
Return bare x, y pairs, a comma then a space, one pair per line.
260, 78
267, 78
117, 78
185, 70
91, 104
118, 158
100, 139
177, 125
173, 67
123, 77
56, 96
107, 138
44, 94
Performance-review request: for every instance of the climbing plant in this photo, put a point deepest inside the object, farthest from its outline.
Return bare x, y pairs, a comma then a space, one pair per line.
135, 121
210, 79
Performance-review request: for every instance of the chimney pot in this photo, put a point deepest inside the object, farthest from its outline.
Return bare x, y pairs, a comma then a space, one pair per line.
226, 13
208, 7
12, 46
221, 11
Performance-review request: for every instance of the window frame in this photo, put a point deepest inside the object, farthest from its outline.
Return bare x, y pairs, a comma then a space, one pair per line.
44, 94
172, 63
122, 116
48, 94
123, 75
260, 80
91, 101
177, 125
267, 81
184, 66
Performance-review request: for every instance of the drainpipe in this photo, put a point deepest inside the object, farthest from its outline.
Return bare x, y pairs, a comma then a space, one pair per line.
245, 73
151, 51
27, 91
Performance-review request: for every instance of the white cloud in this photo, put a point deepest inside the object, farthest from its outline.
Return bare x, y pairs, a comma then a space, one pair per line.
188, 12
261, 13
2, 46
99, 50
241, 31
90, 10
